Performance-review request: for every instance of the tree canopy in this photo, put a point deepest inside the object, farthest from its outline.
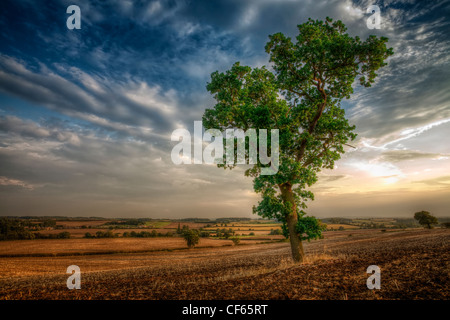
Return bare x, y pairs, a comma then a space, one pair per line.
425, 219
301, 98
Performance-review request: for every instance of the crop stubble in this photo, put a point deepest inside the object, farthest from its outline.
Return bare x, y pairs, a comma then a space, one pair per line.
414, 265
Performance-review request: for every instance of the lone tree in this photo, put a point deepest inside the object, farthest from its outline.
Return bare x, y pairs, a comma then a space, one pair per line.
425, 219
191, 236
301, 98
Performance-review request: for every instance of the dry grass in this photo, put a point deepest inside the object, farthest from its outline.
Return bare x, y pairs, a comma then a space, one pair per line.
191, 225
247, 227
49, 247
414, 264
318, 257
337, 226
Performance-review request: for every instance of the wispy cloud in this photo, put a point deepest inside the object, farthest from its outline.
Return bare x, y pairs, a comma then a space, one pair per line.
6, 182
129, 104
114, 91
407, 155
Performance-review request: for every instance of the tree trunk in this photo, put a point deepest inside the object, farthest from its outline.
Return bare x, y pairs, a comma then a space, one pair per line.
291, 220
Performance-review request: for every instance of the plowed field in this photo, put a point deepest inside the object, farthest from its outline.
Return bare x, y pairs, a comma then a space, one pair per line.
414, 265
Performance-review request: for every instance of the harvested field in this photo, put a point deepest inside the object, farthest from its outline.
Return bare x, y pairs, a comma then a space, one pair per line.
51, 247
80, 223
414, 265
191, 225
337, 226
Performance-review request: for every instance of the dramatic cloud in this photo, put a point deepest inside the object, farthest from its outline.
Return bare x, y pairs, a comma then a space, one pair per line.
86, 115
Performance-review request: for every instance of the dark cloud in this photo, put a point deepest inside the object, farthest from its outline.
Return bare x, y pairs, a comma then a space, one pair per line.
133, 104
138, 69
410, 90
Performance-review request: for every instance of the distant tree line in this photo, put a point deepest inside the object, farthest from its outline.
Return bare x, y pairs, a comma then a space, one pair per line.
192, 236
132, 234
146, 234
45, 223
337, 220
230, 220
224, 233
182, 230
60, 235
15, 229
127, 222
19, 229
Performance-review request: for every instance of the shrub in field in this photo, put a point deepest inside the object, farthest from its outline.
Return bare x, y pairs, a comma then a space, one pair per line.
236, 240
204, 234
63, 235
192, 237
227, 233
275, 232
107, 234
425, 219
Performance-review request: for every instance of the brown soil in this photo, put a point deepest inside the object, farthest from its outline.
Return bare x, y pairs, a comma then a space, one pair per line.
414, 265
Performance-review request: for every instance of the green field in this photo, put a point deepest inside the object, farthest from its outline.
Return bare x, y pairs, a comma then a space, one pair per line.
157, 224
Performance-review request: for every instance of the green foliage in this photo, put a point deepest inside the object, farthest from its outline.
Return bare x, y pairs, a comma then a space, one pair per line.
181, 230
225, 233
204, 234
106, 234
236, 240
301, 99
63, 235
275, 232
126, 223
426, 219
48, 223
191, 236
146, 234
310, 228
15, 229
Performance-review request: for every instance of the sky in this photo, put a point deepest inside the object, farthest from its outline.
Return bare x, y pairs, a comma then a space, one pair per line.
86, 115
